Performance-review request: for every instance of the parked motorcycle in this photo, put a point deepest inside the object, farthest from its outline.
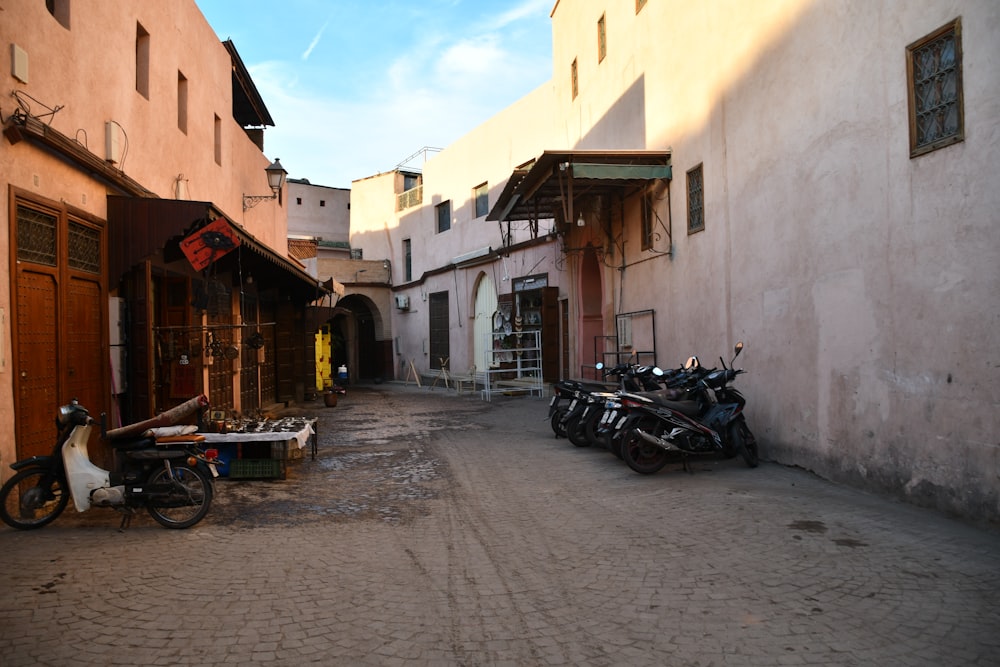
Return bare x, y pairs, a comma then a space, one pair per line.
675, 384
631, 378
159, 467
710, 423
564, 393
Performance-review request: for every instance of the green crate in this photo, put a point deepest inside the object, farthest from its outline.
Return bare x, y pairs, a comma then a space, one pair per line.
254, 468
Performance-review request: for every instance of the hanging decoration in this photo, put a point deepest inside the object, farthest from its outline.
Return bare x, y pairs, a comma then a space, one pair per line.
209, 243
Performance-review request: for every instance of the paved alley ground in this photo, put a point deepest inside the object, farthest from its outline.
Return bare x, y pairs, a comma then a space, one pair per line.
437, 529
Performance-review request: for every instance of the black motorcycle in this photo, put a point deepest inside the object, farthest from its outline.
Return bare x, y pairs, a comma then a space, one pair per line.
710, 422
583, 418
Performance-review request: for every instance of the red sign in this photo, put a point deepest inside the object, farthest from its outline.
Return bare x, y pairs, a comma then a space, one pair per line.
210, 243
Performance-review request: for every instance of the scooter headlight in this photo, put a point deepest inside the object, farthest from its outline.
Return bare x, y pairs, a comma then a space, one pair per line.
65, 413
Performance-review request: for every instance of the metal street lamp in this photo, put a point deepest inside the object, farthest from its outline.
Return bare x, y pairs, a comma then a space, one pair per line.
275, 179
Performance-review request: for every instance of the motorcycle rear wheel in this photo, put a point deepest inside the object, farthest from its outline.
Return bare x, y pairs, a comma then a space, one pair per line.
641, 455
32, 498
615, 444
575, 432
590, 429
189, 500
556, 422
746, 443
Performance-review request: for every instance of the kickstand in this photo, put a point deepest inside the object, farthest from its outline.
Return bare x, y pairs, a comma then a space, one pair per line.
126, 522
687, 468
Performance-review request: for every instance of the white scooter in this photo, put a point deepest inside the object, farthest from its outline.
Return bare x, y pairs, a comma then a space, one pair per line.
159, 467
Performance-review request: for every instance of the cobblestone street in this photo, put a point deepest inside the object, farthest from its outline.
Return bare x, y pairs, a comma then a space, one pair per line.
437, 529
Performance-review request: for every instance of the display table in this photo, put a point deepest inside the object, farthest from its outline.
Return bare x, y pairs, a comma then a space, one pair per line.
261, 448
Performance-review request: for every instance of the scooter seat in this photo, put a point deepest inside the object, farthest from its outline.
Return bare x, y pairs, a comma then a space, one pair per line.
193, 438
128, 444
667, 398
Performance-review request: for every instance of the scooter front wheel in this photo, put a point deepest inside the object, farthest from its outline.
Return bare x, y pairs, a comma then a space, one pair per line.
32, 498
746, 443
181, 497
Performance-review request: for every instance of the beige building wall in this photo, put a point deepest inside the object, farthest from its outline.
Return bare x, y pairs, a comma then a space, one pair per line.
863, 281
83, 63
487, 155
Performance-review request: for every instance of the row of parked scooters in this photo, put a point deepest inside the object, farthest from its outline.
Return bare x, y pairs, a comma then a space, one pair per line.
654, 417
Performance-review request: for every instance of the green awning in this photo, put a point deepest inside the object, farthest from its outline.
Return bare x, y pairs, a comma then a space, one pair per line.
620, 171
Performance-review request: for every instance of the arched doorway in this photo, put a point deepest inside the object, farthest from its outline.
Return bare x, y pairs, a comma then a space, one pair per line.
485, 307
357, 340
591, 342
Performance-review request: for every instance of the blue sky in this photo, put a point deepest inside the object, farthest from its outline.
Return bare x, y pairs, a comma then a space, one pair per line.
356, 87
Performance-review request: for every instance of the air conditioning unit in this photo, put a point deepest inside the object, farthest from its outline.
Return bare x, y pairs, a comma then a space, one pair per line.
402, 302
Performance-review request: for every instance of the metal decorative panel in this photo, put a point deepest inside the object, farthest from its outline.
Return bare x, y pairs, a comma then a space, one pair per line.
84, 248
36, 236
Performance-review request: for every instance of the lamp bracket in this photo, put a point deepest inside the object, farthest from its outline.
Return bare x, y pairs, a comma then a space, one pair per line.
249, 201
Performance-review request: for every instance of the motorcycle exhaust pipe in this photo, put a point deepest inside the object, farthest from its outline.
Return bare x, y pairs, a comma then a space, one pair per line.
659, 442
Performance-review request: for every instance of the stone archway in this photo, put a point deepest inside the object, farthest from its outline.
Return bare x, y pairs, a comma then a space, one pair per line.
356, 329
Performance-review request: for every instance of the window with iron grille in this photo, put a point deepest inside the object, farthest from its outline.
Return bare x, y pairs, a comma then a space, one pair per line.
36, 236
696, 200
357, 253
84, 248
443, 211
934, 89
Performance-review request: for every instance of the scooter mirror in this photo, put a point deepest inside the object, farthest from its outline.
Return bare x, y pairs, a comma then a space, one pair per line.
599, 366
657, 371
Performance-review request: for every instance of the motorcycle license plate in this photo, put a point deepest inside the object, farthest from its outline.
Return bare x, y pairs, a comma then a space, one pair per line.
620, 423
609, 417
572, 405
214, 469
553, 401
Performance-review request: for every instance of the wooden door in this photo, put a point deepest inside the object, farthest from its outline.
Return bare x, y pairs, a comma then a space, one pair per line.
249, 355
550, 334
60, 319
268, 369
440, 329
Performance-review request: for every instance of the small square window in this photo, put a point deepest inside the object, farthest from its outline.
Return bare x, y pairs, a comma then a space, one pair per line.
602, 38
142, 60
696, 200
573, 79
322, 202
934, 89
481, 196
443, 211
298, 200
407, 260
182, 102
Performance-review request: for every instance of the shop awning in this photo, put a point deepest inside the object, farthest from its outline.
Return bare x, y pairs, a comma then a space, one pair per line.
547, 188
139, 228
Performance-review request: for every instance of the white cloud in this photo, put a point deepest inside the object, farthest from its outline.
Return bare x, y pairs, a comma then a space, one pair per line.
312, 44
431, 94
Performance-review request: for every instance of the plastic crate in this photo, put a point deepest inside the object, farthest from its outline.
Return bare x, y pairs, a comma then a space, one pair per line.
286, 450
255, 468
